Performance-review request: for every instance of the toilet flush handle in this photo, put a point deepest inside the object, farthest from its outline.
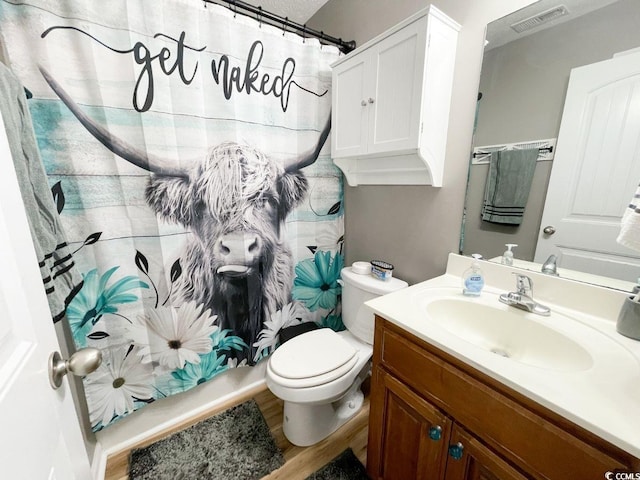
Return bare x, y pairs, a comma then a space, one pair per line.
340, 282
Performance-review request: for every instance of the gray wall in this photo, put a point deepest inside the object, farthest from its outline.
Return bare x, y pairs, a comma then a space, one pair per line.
523, 85
415, 227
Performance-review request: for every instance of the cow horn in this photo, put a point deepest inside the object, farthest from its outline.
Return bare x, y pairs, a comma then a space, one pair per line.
307, 158
134, 155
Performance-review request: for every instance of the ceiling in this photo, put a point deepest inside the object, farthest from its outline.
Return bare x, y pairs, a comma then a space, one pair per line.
300, 11
500, 32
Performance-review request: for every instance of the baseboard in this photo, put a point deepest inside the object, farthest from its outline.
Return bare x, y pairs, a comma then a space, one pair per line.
99, 463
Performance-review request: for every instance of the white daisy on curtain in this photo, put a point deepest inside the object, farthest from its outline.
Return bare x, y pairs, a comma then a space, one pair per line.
233, 363
117, 384
293, 313
174, 336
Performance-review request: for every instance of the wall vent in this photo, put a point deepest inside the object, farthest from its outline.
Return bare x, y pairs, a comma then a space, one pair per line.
540, 18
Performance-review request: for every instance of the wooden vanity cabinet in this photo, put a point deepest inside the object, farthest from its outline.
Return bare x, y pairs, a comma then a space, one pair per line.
416, 437
434, 417
411, 432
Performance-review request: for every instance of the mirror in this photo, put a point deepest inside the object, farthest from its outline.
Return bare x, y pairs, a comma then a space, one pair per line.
522, 90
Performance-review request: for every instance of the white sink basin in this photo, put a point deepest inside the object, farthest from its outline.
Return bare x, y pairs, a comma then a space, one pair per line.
510, 333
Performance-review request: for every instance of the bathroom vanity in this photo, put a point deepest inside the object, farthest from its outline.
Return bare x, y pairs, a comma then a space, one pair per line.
474, 389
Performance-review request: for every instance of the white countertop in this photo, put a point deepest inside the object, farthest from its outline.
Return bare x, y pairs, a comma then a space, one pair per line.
604, 399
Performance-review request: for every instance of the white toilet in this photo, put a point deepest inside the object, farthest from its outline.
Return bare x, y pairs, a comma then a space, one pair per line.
318, 374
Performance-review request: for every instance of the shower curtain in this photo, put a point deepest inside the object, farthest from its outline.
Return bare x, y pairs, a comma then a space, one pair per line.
186, 150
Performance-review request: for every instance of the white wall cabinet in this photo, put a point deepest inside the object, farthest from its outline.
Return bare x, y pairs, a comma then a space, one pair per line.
391, 100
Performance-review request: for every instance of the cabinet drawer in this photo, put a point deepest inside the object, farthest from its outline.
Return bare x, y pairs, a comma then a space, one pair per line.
511, 427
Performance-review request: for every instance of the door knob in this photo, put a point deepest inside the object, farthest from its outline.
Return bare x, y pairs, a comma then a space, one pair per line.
549, 230
371, 100
81, 363
363, 103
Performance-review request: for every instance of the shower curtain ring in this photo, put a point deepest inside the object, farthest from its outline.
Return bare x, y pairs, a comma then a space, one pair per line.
260, 17
284, 25
304, 33
235, 9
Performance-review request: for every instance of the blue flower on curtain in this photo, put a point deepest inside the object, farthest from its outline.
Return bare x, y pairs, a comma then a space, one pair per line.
316, 283
96, 299
196, 373
223, 341
334, 322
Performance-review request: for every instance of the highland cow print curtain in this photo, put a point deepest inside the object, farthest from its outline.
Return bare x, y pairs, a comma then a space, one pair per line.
186, 149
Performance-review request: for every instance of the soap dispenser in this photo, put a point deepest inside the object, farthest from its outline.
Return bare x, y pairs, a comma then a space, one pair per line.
507, 256
473, 278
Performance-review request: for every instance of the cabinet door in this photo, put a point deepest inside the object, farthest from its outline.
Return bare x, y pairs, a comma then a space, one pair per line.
468, 459
408, 437
396, 100
350, 107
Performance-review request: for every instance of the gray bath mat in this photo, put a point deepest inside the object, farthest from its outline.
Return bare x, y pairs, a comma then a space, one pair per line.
345, 466
234, 445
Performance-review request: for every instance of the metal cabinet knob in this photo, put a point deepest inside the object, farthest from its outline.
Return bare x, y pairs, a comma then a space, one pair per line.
363, 103
81, 363
549, 230
371, 100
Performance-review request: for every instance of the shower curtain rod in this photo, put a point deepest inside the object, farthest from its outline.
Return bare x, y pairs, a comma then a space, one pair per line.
284, 23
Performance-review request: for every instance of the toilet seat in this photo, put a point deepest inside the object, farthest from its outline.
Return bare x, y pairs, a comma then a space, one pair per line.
311, 359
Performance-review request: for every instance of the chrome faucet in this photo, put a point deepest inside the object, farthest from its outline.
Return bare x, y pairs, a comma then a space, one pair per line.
550, 267
522, 298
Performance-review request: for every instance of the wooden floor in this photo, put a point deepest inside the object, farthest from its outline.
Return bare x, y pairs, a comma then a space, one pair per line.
300, 462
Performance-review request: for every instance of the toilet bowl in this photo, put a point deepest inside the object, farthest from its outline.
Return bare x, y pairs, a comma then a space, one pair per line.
318, 374
318, 404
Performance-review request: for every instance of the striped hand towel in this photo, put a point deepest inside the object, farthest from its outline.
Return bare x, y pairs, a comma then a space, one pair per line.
508, 185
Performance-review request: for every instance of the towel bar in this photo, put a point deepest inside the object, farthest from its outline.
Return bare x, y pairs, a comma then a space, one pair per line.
546, 147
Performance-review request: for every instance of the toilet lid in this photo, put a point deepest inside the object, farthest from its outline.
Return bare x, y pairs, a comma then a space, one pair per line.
312, 354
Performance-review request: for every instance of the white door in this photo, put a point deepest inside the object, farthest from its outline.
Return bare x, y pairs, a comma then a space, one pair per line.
596, 170
40, 436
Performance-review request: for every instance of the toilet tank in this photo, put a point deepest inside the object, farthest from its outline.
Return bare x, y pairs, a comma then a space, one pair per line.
357, 289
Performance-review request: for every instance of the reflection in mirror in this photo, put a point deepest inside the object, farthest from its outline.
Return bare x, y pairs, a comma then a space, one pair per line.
523, 86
